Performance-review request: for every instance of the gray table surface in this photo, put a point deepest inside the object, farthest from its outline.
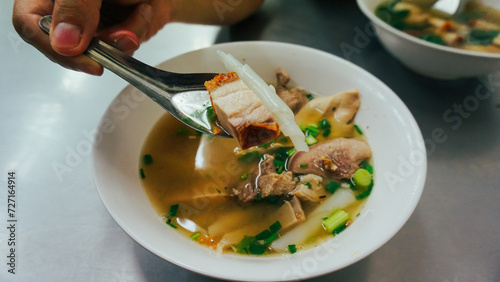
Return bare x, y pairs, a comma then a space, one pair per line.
64, 232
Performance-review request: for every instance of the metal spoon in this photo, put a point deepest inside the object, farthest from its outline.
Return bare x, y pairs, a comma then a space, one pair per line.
183, 95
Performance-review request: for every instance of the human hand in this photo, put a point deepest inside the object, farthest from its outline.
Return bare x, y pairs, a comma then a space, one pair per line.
75, 22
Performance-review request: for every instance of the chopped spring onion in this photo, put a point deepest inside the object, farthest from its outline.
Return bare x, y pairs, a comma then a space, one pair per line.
308, 185
326, 132
436, 39
173, 210
336, 220
267, 95
313, 125
171, 225
141, 173
218, 191
280, 165
291, 152
324, 124
292, 249
365, 193
280, 169
148, 159
340, 229
358, 129
244, 176
310, 96
332, 186
257, 249
275, 227
195, 236
310, 140
245, 243
271, 238
362, 178
263, 235
303, 165
312, 130
367, 166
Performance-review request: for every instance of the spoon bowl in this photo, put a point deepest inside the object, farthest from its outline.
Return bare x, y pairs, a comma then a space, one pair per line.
183, 95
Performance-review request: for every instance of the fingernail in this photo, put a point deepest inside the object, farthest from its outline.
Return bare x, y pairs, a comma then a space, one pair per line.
126, 44
147, 12
66, 35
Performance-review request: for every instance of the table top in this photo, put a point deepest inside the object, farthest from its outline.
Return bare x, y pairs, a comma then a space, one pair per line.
64, 233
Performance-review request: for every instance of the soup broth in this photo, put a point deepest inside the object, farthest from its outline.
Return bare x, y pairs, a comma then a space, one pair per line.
192, 182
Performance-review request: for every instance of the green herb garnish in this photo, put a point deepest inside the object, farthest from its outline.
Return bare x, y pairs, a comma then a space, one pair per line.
326, 132
141, 173
433, 39
358, 129
263, 235
257, 249
324, 124
244, 244
332, 186
310, 140
195, 236
292, 249
147, 159
173, 210
271, 238
244, 176
336, 220
275, 226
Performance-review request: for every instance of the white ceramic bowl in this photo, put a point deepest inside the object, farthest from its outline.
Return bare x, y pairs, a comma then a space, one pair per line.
399, 161
427, 58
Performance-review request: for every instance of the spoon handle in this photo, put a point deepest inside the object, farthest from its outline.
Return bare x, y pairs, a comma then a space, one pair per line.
144, 77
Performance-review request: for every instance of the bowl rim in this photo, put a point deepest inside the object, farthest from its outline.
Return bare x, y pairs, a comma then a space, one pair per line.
371, 15
419, 182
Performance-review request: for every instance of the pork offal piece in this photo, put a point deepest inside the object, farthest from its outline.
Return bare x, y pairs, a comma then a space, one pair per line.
336, 158
269, 183
295, 98
240, 111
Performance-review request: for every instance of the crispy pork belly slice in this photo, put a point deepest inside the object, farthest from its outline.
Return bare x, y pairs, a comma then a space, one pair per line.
240, 111
336, 158
295, 98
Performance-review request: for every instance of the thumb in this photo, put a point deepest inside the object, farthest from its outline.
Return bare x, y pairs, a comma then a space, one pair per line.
74, 23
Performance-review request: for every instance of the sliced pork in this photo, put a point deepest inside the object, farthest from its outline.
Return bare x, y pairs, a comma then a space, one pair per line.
240, 111
336, 158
